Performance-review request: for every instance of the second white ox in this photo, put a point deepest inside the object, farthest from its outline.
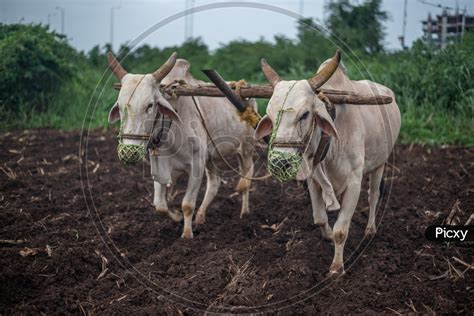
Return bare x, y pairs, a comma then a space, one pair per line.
362, 138
173, 131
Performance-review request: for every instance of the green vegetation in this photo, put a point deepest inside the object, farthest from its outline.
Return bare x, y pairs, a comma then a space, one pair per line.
46, 83
32, 67
358, 26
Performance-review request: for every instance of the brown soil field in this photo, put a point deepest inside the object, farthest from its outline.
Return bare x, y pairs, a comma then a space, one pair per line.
78, 234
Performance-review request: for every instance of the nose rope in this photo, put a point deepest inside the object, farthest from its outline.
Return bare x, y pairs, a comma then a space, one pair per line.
130, 154
282, 165
279, 115
127, 105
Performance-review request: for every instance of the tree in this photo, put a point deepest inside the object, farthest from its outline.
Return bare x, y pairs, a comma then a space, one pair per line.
359, 26
313, 43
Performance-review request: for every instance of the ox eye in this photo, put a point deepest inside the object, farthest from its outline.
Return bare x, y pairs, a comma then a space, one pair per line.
304, 116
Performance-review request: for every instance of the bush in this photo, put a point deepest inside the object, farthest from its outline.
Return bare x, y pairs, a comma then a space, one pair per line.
34, 63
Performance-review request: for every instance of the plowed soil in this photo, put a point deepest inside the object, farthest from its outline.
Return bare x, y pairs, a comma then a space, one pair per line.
78, 234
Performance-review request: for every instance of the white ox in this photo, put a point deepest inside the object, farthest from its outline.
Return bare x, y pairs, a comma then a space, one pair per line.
362, 138
141, 106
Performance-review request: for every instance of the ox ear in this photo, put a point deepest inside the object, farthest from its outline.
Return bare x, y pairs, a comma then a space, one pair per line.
264, 128
114, 114
165, 108
325, 122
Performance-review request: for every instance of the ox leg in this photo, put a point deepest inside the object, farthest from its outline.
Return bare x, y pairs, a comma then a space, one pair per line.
161, 205
341, 227
189, 203
320, 215
243, 186
212, 186
374, 194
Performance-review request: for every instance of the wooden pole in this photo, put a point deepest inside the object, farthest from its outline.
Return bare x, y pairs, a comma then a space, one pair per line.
266, 91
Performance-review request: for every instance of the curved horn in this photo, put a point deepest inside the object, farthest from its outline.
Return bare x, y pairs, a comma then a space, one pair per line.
269, 73
326, 72
115, 66
165, 68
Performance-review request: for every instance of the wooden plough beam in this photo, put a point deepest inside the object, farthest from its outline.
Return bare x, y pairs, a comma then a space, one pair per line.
266, 91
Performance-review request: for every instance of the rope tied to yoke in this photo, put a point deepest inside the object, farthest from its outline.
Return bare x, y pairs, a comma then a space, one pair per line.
169, 88
237, 86
203, 121
249, 115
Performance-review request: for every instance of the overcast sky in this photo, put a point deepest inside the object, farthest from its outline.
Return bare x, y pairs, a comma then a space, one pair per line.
87, 22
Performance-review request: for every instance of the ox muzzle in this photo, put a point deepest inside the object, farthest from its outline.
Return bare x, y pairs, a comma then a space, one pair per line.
130, 154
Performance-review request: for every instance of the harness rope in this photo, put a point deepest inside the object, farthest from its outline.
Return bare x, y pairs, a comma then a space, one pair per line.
198, 108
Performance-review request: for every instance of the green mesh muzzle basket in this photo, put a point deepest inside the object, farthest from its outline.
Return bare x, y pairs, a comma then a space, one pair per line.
130, 154
283, 166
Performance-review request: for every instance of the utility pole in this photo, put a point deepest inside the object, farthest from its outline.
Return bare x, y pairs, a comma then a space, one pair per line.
49, 18
404, 28
112, 18
463, 26
444, 29
188, 19
61, 9
191, 20
301, 11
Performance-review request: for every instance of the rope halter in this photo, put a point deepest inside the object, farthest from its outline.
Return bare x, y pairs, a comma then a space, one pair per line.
283, 165
134, 153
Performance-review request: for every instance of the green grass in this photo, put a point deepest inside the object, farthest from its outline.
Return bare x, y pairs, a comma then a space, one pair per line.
429, 126
80, 100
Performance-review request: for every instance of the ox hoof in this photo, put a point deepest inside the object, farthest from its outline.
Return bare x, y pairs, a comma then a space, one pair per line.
327, 238
370, 231
162, 212
336, 270
176, 216
200, 219
334, 207
187, 234
326, 231
244, 213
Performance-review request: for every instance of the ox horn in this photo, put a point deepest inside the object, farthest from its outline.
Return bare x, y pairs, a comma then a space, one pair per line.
326, 72
115, 66
165, 68
269, 73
